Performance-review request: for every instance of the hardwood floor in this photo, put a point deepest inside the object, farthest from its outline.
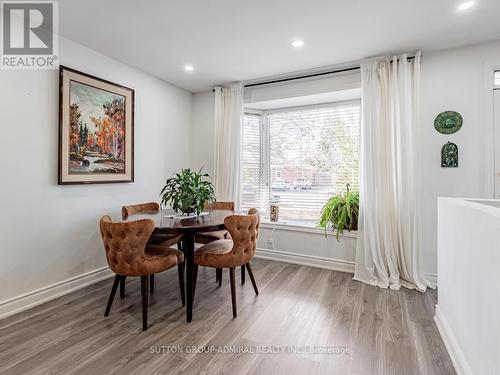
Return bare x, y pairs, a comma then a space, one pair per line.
383, 331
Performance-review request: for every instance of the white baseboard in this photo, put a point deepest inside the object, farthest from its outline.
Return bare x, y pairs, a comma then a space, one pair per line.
37, 297
456, 355
431, 279
306, 260
319, 262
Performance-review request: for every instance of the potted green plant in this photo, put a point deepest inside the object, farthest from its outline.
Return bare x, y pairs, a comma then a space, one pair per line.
341, 212
188, 191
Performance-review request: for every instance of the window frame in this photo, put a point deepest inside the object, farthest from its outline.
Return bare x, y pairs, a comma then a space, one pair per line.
265, 146
311, 106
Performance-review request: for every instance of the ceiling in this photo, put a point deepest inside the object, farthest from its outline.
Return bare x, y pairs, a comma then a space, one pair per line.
233, 40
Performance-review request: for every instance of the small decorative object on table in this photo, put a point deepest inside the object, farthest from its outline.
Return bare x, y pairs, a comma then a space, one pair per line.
341, 212
275, 211
188, 191
449, 155
448, 122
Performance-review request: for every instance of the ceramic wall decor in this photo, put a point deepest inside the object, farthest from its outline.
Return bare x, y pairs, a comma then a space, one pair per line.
449, 155
448, 122
274, 213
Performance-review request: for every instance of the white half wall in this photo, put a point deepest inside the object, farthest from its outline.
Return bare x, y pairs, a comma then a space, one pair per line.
468, 288
49, 233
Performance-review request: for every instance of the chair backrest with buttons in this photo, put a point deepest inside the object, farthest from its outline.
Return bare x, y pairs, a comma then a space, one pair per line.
150, 207
243, 230
254, 211
229, 206
125, 243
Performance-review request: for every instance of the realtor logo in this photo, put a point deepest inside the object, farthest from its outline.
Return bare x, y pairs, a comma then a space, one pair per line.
29, 35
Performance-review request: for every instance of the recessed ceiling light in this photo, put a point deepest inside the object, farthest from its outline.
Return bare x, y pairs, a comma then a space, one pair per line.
189, 68
298, 43
466, 5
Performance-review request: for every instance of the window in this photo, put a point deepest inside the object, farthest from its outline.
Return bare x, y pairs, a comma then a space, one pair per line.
298, 158
497, 78
252, 159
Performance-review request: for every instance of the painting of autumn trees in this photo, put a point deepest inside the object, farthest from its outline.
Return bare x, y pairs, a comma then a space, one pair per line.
97, 131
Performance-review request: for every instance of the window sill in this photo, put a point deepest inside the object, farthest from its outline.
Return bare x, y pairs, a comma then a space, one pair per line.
304, 228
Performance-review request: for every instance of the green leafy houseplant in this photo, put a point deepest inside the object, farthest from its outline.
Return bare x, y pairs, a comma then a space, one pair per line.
341, 212
188, 191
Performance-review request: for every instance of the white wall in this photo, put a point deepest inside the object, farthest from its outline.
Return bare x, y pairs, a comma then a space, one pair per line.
49, 233
307, 246
453, 80
304, 87
203, 132
468, 284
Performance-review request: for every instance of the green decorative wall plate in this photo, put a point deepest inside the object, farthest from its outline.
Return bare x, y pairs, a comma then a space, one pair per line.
448, 122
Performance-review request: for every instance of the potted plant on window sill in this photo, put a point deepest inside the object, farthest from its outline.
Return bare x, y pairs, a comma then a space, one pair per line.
341, 212
188, 191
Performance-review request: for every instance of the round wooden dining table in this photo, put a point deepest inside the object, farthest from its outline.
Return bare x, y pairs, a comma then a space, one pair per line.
168, 222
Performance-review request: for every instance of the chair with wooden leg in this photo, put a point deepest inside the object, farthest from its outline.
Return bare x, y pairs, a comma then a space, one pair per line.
207, 237
232, 253
128, 254
159, 239
151, 208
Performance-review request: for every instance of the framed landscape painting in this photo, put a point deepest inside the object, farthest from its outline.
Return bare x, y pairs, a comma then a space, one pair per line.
96, 130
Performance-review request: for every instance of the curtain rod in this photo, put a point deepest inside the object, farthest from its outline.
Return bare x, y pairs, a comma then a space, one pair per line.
309, 75
303, 76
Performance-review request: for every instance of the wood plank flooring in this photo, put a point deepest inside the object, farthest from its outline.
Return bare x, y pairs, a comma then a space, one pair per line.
372, 331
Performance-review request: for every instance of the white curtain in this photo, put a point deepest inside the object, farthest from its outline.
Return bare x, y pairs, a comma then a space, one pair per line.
387, 253
228, 115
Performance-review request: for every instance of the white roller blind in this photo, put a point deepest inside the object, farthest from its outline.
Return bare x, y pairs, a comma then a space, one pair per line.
306, 155
254, 185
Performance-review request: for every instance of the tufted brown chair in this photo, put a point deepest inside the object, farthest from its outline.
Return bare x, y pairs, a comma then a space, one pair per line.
151, 208
128, 254
217, 205
207, 237
231, 253
253, 211
161, 239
